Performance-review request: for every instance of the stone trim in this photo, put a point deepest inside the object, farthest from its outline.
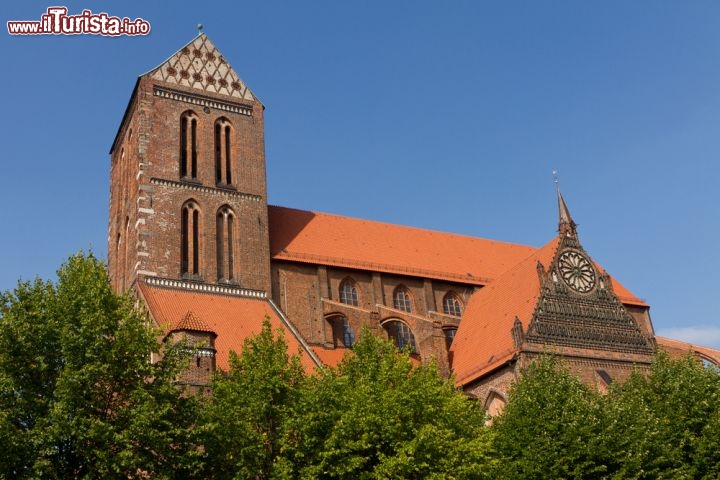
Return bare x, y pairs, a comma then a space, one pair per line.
202, 101
204, 287
200, 188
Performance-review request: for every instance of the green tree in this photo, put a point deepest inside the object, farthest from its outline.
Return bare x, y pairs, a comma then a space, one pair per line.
550, 426
245, 417
378, 416
79, 397
665, 424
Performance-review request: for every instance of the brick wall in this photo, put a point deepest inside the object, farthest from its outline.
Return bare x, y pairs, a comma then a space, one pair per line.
309, 296
147, 192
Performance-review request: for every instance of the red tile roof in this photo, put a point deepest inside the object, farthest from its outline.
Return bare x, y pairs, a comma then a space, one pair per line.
192, 323
232, 318
331, 357
325, 239
483, 341
677, 347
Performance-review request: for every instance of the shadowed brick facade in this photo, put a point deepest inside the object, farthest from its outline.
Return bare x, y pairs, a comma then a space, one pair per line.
191, 233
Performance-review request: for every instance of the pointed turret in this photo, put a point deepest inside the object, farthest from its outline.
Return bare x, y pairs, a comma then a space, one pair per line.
566, 225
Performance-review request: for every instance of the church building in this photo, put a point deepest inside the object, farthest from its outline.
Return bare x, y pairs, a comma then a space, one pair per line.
192, 235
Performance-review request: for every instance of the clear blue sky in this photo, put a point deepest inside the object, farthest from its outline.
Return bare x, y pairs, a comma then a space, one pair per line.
442, 115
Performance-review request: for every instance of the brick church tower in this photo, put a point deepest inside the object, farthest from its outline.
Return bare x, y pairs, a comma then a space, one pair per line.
188, 187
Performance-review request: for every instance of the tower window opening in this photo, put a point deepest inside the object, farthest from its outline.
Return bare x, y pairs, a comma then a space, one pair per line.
190, 240
223, 146
188, 145
224, 240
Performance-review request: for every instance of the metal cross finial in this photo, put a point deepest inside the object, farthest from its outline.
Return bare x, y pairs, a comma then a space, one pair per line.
555, 177
200, 27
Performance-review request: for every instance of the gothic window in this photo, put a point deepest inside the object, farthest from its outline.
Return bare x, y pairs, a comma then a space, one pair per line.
223, 159
343, 334
495, 404
123, 264
190, 240
452, 305
224, 235
348, 292
449, 336
401, 335
188, 145
603, 381
401, 299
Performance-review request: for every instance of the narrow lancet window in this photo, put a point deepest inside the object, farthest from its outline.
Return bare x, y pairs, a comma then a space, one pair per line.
190, 240
188, 145
223, 147
224, 240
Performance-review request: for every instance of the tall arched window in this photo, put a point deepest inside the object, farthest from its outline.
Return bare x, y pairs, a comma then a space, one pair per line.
452, 305
449, 333
343, 334
495, 404
223, 159
401, 299
225, 235
188, 145
125, 251
190, 240
401, 335
348, 292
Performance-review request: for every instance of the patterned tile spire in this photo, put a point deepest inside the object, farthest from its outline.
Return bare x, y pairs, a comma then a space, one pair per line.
200, 65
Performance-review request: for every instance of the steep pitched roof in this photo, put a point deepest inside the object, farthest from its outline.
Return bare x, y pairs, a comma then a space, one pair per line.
325, 239
190, 322
483, 340
232, 318
331, 357
334, 240
200, 65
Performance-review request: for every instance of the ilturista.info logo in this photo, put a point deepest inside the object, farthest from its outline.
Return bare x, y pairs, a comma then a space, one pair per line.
56, 21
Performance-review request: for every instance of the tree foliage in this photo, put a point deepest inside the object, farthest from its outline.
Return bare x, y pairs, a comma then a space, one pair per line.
665, 425
250, 405
549, 426
658, 425
79, 397
378, 416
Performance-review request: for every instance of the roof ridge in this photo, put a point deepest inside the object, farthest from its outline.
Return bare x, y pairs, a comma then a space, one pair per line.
398, 225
